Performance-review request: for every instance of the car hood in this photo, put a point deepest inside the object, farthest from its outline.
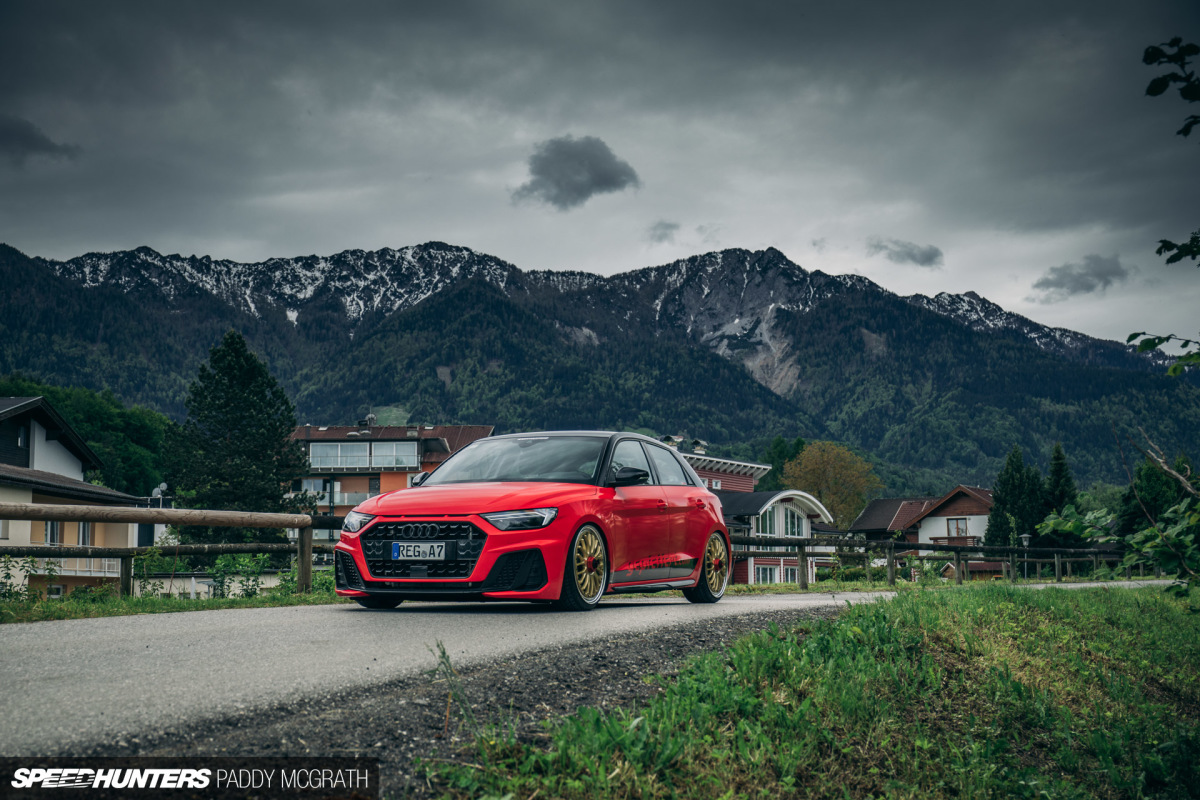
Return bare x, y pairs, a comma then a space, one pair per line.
474, 498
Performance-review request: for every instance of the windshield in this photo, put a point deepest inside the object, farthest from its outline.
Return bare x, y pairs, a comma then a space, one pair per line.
550, 459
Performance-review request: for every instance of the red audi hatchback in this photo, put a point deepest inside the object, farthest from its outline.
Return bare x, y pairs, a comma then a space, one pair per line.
563, 517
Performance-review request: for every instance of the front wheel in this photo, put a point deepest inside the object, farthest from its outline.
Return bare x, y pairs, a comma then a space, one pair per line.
377, 602
714, 572
586, 574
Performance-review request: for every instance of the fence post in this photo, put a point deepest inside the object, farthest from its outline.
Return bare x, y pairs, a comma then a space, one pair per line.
1095, 566
1070, 569
802, 567
1128, 573
1157, 571
304, 561
958, 565
1058, 567
1012, 567
1141, 570
127, 576
891, 563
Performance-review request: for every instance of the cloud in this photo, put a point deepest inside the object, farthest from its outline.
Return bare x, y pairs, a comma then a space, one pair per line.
901, 252
662, 232
566, 172
20, 139
820, 244
1094, 275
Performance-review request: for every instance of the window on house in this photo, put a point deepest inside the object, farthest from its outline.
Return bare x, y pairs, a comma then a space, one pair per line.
956, 526
791, 575
3, 529
766, 523
342, 454
395, 454
55, 590
85, 534
716, 483
765, 574
54, 533
22, 437
793, 522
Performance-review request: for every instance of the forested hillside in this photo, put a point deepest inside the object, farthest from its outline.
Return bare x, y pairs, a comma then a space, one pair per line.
733, 347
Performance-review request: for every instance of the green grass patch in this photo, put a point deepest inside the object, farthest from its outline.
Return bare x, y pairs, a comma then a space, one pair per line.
988, 691
113, 606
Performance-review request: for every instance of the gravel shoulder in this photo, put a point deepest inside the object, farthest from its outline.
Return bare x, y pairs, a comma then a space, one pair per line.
407, 719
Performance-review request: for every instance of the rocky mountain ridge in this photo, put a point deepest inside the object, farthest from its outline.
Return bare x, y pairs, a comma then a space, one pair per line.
727, 300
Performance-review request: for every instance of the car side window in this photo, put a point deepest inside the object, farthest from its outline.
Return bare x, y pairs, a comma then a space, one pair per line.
669, 471
629, 454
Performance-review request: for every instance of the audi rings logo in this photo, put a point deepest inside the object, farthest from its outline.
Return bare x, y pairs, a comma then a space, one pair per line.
414, 531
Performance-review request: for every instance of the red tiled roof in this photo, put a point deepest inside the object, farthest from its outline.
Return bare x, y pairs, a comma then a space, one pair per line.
907, 513
456, 436
982, 495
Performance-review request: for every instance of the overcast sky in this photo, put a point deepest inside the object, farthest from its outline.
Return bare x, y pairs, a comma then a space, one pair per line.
1005, 148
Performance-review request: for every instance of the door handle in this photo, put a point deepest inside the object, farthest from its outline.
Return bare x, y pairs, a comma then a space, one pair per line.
662, 505
700, 503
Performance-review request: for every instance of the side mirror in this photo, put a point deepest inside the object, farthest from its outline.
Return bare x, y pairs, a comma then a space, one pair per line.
418, 479
630, 476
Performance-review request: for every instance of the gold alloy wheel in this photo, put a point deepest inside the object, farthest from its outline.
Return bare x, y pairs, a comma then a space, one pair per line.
716, 564
590, 564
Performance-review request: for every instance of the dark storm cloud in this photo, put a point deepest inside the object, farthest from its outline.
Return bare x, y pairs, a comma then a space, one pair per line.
1095, 274
21, 140
566, 172
662, 232
901, 252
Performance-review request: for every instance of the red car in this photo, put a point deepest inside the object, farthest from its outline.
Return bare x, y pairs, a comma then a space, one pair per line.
564, 517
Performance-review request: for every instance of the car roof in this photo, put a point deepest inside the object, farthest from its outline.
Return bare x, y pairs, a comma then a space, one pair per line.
605, 434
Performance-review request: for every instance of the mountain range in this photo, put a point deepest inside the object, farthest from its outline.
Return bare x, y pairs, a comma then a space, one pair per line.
729, 346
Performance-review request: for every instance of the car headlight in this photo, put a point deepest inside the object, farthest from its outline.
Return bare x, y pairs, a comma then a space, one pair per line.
522, 520
355, 522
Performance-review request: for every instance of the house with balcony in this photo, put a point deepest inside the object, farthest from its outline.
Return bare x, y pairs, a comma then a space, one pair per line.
43, 460
350, 463
959, 517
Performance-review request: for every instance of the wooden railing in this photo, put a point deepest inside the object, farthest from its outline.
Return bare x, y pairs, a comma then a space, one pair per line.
303, 547
961, 555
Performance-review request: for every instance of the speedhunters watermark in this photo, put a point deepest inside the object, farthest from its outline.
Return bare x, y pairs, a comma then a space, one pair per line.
180, 778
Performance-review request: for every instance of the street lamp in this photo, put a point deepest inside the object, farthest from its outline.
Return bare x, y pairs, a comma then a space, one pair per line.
1025, 537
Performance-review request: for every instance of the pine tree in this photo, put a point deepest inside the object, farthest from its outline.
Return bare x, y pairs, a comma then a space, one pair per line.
1060, 484
234, 451
1017, 499
777, 454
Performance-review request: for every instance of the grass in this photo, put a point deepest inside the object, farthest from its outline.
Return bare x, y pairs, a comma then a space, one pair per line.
987, 691
112, 606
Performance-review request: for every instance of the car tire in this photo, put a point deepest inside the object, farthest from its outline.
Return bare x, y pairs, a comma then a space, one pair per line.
714, 572
585, 576
377, 602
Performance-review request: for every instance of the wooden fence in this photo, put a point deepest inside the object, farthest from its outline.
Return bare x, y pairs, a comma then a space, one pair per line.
960, 555
303, 547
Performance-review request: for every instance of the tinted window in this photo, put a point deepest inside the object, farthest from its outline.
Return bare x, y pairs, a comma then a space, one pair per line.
669, 471
557, 459
629, 454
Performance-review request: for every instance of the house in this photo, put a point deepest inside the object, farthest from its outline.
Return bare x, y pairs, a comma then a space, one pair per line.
43, 460
959, 518
787, 512
350, 463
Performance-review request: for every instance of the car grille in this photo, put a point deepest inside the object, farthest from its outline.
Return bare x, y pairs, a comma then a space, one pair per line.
464, 544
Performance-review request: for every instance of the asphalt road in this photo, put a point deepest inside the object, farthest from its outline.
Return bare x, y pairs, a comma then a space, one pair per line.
70, 685
75, 683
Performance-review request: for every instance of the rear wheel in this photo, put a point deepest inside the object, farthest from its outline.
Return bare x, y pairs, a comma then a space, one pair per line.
714, 572
586, 574
377, 602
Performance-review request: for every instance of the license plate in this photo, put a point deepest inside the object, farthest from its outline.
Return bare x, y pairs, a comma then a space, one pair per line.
418, 551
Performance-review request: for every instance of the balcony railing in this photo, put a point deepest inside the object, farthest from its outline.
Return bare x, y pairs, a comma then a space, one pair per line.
108, 567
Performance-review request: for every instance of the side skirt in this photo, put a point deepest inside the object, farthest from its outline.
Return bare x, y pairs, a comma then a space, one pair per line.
651, 587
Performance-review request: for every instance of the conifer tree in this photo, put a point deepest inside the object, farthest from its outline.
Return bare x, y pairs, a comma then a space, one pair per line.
777, 454
234, 451
1060, 484
1018, 501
